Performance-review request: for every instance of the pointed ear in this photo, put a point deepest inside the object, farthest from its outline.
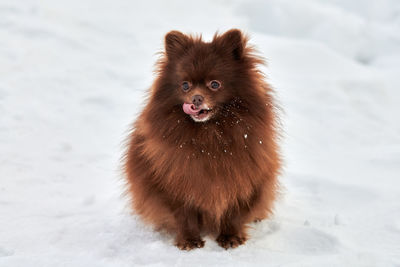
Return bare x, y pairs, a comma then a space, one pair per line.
232, 42
176, 43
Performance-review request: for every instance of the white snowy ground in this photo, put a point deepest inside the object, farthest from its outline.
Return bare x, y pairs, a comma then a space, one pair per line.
72, 79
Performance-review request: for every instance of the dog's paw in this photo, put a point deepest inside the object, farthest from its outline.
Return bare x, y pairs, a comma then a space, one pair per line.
189, 244
230, 241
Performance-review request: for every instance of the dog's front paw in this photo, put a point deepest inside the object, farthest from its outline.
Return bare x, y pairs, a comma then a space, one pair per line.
230, 241
189, 244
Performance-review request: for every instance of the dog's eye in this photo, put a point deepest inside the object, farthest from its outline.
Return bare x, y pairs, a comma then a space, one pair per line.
215, 85
185, 86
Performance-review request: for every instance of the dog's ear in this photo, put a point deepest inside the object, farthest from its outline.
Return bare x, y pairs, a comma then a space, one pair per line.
232, 42
175, 44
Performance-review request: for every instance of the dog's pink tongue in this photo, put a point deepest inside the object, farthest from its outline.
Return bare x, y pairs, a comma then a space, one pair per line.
190, 109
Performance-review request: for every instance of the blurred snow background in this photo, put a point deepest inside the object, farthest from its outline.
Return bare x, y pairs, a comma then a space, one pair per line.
72, 78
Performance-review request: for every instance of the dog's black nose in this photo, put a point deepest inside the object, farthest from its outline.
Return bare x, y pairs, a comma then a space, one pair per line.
197, 100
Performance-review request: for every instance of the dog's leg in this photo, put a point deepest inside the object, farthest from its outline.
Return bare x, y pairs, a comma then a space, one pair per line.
232, 229
188, 236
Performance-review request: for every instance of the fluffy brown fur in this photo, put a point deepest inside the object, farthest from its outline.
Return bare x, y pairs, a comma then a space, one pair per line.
194, 178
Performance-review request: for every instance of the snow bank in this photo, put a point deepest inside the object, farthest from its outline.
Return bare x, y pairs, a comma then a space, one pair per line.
362, 30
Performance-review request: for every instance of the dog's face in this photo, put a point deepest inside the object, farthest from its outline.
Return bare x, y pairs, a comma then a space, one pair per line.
202, 77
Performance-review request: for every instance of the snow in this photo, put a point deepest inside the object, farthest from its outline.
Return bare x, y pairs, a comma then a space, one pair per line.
73, 76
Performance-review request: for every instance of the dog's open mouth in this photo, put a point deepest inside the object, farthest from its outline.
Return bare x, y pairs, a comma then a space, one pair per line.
202, 113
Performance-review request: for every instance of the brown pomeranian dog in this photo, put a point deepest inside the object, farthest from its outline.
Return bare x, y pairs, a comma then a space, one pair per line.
203, 155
